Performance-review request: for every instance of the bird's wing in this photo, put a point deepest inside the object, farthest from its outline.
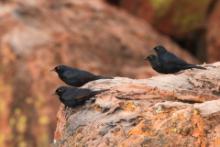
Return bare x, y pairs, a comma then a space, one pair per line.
81, 94
69, 74
170, 58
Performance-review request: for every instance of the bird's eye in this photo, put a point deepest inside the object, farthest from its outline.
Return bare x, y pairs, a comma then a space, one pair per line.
59, 91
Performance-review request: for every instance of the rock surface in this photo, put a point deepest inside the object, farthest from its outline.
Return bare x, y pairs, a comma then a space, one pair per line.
165, 110
36, 35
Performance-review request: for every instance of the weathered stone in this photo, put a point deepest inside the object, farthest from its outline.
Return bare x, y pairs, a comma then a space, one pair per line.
165, 110
37, 35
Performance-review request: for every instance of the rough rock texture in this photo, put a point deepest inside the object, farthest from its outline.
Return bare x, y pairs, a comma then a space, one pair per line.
37, 35
213, 34
165, 110
172, 17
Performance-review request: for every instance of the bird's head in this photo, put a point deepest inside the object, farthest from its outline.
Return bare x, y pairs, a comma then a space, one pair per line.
151, 58
160, 49
59, 68
59, 91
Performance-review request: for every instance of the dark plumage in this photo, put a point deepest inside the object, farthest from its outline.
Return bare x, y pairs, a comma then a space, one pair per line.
76, 77
73, 96
154, 62
166, 62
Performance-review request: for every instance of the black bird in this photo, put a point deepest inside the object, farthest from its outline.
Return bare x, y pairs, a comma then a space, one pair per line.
166, 62
73, 96
155, 64
76, 77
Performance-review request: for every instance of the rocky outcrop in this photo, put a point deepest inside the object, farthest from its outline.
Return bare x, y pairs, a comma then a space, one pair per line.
165, 110
37, 35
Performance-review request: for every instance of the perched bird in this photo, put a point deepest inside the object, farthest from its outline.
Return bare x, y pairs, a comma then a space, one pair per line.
155, 64
76, 77
73, 96
166, 62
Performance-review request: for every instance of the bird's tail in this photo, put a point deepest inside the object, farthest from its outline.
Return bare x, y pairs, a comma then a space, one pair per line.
196, 66
99, 91
92, 94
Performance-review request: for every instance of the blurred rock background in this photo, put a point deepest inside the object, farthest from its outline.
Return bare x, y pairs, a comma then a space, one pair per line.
109, 37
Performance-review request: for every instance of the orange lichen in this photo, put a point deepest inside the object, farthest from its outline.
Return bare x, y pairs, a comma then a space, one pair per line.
61, 123
141, 129
127, 106
198, 131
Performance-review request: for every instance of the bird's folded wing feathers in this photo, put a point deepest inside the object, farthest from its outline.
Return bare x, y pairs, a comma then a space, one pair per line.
173, 59
70, 74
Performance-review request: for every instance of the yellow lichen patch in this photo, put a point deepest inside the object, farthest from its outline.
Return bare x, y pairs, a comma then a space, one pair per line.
43, 120
97, 108
22, 144
21, 124
196, 112
128, 106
